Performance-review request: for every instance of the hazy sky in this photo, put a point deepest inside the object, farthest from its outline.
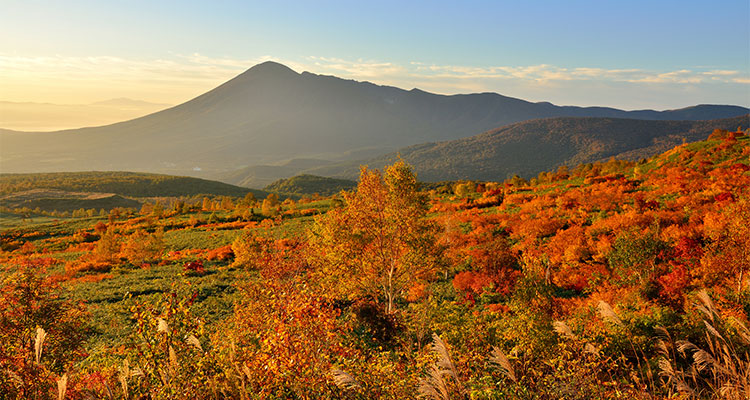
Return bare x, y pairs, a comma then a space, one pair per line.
627, 54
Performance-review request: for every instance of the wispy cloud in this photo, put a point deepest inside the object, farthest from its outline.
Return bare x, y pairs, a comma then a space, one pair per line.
180, 76
359, 68
545, 72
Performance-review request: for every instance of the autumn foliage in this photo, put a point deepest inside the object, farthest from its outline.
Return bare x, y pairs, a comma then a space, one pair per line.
609, 280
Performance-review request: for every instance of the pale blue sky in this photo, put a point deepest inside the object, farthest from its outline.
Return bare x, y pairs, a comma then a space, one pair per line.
628, 54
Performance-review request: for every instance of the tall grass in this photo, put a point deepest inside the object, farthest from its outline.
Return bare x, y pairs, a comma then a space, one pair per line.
718, 368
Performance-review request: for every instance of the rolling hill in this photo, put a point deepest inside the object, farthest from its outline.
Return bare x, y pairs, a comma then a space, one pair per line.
60, 200
310, 184
129, 184
270, 114
530, 147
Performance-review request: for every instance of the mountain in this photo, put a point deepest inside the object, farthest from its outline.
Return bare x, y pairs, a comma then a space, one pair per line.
270, 114
527, 148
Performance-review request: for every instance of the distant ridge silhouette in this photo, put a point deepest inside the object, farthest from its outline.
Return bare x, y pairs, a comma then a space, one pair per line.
270, 113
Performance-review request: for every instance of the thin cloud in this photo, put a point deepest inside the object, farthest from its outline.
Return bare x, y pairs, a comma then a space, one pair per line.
180, 76
359, 68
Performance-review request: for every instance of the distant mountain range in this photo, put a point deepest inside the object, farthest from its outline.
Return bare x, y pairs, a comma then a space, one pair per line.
269, 115
527, 148
27, 116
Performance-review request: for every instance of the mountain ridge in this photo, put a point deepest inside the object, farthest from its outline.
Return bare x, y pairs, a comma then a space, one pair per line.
270, 113
529, 147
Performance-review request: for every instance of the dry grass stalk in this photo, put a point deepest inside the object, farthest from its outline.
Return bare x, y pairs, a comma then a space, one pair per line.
62, 386
719, 368
14, 378
707, 306
123, 378
343, 380
607, 313
562, 329
193, 341
162, 325
498, 358
247, 372
590, 349
38, 343
435, 386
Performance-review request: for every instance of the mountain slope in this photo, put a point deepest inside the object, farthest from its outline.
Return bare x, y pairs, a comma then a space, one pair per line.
128, 184
530, 147
270, 113
310, 184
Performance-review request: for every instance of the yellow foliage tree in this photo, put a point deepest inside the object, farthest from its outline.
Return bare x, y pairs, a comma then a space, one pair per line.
379, 242
142, 247
270, 206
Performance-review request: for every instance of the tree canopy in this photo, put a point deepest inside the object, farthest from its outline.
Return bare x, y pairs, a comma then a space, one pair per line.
379, 242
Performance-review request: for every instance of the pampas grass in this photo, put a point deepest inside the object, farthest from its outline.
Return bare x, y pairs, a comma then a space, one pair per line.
62, 386
562, 329
607, 313
720, 369
343, 380
193, 341
38, 343
498, 358
435, 386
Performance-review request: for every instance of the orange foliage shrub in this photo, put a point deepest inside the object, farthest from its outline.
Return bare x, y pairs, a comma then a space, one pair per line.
223, 253
472, 282
286, 337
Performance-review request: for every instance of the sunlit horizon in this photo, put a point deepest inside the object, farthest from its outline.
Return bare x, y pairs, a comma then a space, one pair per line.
634, 55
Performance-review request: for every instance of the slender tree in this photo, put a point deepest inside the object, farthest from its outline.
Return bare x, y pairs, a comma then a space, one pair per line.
379, 242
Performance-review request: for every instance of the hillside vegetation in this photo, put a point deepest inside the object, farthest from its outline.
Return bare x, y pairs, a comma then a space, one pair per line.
605, 280
58, 200
528, 148
130, 184
310, 184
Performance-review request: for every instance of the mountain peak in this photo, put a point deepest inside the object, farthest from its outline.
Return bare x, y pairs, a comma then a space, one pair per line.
270, 68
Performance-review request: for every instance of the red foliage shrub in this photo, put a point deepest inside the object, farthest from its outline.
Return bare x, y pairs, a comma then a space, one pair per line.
472, 282
726, 196
194, 267
740, 167
673, 285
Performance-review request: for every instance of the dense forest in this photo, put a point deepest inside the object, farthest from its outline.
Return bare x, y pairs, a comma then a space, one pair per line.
605, 280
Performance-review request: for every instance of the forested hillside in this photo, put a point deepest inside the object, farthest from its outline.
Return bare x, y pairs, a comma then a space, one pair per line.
605, 280
310, 184
528, 148
132, 184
